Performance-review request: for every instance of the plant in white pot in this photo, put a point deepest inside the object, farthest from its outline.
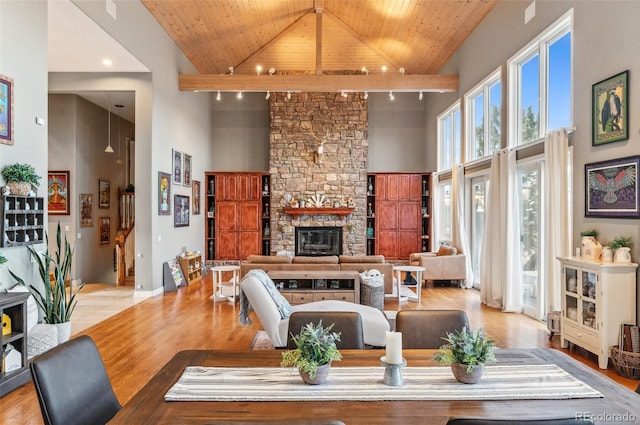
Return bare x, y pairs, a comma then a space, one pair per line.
591, 248
314, 352
621, 246
53, 299
20, 178
467, 352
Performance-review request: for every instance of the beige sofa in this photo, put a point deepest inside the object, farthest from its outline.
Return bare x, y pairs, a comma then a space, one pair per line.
451, 266
359, 263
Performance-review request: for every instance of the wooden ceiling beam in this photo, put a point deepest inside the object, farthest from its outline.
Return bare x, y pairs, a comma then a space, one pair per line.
319, 83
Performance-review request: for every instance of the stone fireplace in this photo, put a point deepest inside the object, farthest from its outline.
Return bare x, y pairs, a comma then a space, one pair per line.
318, 241
296, 125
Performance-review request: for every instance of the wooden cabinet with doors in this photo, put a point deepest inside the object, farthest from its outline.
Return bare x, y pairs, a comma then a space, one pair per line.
234, 230
397, 203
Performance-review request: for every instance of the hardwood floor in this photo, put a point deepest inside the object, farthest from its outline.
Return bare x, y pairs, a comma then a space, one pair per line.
137, 342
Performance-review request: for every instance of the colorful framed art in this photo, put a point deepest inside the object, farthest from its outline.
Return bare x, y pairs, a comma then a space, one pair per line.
6, 110
86, 210
58, 192
195, 193
186, 165
104, 193
176, 166
164, 193
181, 211
612, 188
610, 108
104, 230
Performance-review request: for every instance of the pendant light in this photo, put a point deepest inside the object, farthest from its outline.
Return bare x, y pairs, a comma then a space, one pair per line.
119, 161
109, 149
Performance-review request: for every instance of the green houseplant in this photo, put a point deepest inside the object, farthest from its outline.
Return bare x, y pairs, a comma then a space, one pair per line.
589, 232
621, 246
20, 177
467, 352
56, 304
620, 242
314, 352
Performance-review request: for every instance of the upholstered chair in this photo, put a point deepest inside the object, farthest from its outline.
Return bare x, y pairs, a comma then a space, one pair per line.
426, 328
347, 323
73, 386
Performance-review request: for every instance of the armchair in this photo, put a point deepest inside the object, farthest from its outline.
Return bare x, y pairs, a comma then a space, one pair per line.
447, 264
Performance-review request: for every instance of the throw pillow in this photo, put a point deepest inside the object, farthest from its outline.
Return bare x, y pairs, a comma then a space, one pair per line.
444, 250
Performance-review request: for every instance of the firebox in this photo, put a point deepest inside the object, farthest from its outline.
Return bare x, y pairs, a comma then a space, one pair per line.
318, 241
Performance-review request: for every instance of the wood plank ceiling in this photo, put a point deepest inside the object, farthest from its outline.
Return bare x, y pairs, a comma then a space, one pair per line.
417, 35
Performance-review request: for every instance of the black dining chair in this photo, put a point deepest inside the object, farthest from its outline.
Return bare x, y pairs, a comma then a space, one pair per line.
488, 421
426, 328
348, 323
72, 385
638, 389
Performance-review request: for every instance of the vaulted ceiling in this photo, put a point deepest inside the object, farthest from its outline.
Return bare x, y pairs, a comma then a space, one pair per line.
416, 35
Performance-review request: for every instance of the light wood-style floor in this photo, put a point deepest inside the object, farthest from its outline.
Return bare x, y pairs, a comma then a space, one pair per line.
138, 341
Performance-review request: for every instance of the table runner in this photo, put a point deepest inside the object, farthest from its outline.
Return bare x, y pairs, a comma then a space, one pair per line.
499, 382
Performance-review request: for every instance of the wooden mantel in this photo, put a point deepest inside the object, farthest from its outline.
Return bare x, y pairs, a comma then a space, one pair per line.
342, 212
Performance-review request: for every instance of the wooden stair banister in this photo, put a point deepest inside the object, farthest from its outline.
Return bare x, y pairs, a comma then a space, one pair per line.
125, 249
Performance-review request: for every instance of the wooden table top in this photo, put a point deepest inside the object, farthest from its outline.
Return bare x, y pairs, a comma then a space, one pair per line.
149, 407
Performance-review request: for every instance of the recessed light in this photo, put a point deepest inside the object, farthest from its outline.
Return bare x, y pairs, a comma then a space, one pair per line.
107, 62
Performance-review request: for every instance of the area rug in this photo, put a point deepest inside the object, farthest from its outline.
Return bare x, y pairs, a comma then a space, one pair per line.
499, 382
262, 341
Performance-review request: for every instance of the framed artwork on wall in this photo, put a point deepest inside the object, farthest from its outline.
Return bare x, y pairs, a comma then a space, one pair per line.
6, 110
86, 210
176, 166
612, 188
58, 192
186, 177
104, 193
196, 197
181, 214
610, 108
164, 193
104, 230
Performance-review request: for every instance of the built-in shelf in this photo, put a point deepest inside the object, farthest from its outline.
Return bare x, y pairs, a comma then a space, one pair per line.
341, 212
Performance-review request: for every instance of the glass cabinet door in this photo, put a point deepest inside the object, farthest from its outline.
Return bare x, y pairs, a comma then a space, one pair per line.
571, 293
588, 291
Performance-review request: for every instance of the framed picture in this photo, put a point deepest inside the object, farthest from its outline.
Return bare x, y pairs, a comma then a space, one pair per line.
196, 197
612, 188
58, 192
610, 106
86, 210
104, 193
181, 215
176, 166
6, 110
164, 193
186, 177
104, 230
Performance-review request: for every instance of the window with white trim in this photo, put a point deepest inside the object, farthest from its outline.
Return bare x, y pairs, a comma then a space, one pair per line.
540, 80
483, 106
449, 130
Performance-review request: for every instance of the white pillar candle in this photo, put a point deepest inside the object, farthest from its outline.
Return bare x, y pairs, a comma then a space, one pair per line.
393, 348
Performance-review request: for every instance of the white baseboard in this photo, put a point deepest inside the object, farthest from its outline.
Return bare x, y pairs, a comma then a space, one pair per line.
146, 294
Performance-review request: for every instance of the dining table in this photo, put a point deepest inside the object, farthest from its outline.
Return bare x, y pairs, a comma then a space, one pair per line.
617, 404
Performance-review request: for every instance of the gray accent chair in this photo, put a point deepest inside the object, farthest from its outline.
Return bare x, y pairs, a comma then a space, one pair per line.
426, 328
347, 323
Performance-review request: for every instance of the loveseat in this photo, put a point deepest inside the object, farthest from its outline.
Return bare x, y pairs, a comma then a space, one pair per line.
359, 263
446, 264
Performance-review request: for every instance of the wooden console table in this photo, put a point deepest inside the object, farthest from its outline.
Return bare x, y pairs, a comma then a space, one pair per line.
303, 286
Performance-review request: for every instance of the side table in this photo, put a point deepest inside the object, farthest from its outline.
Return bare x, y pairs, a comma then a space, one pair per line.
219, 286
408, 269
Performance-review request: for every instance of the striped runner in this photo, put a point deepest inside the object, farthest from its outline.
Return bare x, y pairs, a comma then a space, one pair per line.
506, 382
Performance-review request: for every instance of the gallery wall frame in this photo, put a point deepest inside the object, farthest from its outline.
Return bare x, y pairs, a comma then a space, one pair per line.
104, 193
86, 210
195, 193
104, 230
612, 188
610, 109
186, 167
6, 110
58, 191
181, 211
176, 166
164, 193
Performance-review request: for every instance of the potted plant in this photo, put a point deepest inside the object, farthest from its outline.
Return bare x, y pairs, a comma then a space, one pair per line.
621, 246
56, 304
591, 248
467, 352
316, 349
20, 177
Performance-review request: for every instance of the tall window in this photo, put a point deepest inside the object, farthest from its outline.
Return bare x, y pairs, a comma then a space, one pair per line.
449, 137
479, 187
443, 217
540, 78
483, 105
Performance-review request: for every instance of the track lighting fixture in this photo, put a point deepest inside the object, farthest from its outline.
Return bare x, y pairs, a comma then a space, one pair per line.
218, 96
289, 95
268, 95
364, 70
420, 95
239, 95
391, 97
230, 70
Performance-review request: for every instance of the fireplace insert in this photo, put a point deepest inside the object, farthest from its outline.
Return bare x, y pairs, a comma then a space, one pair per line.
318, 241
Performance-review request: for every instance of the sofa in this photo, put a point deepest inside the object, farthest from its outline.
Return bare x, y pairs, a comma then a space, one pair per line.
258, 293
359, 263
446, 264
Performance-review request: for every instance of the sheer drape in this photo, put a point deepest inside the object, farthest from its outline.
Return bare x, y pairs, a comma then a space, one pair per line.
459, 233
500, 259
557, 188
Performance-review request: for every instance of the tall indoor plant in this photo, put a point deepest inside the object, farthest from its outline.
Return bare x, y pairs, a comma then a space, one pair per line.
20, 178
56, 304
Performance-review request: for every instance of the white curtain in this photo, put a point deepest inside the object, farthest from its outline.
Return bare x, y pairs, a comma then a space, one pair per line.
500, 259
459, 233
558, 190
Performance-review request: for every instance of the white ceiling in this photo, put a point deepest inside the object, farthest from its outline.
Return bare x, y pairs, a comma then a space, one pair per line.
77, 44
